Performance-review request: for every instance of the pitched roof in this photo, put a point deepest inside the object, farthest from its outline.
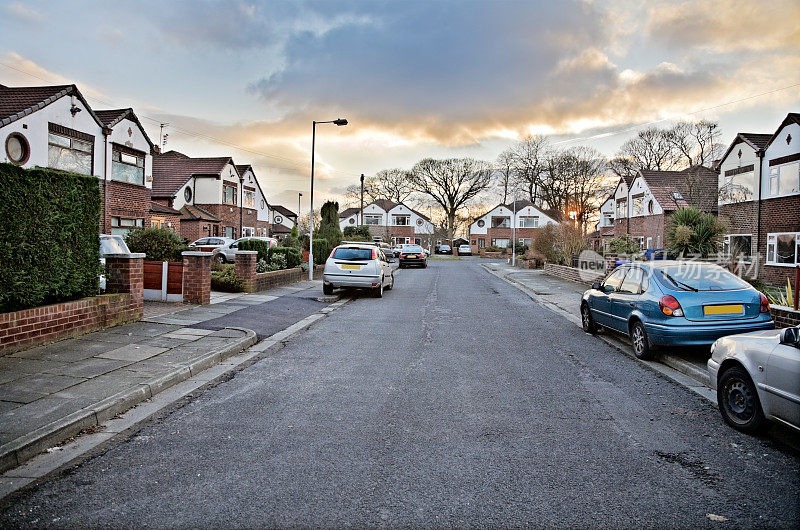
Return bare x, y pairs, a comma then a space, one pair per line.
18, 102
757, 141
160, 208
385, 204
281, 229
695, 186
110, 118
520, 204
282, 209
347, 212
172, 170
242, 169
193, 213
792, 117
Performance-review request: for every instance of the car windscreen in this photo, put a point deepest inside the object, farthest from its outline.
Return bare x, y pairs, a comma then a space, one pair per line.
411, 249
352, 254
113, 245
693, 276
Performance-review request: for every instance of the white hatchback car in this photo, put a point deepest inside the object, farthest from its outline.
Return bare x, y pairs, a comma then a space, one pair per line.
757, 377
358, 265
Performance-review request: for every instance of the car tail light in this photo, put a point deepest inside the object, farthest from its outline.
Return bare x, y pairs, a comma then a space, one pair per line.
332, 251
374, 253
670, 306
764, 303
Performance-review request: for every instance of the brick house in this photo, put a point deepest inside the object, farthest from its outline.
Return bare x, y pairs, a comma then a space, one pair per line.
390, 222
644, 205
282, 220
256, 207
212, 189
495, 228
54, 126
604, 229
165, 217
759, 198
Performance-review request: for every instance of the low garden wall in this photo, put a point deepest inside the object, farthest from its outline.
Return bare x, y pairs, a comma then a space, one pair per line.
572, 274
269, 280
784, 317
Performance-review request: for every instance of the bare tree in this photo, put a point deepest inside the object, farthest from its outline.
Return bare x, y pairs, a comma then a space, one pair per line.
390, 184
622, 167
530, 161
451, 183
505, 172
649, 149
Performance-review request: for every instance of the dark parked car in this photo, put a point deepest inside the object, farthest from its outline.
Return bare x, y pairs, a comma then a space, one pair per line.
674, 303
413, 255
445, 249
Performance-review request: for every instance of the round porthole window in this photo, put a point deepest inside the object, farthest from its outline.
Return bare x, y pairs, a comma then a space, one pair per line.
17, 149
481, 223
278, 219
352, 221
419, 222
650, 206
187, 194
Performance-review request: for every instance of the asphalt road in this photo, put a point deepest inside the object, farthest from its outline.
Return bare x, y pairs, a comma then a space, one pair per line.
454, 400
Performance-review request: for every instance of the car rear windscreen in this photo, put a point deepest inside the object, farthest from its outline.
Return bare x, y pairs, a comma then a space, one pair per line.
700, 277
411, 249
352, 254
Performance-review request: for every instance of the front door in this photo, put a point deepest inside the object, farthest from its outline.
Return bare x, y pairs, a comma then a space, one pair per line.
624, 301
601, 304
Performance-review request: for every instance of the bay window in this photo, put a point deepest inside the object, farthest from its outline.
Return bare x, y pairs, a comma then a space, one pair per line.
401, 220
69, 150
374, 220
529, 222
737, 185
127, 165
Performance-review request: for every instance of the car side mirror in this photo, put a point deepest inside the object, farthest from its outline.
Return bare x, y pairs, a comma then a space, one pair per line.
597, 286
791, 337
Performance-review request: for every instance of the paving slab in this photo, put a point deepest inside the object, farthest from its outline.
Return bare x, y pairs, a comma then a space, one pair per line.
133, 352
91, 367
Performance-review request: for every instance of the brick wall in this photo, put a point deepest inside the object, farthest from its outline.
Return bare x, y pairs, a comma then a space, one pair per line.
123, 199
571, 273
123, 303
245, 267
646, 226
174, 221
197, 277
269, 280
784, 317
194, 230
228, 216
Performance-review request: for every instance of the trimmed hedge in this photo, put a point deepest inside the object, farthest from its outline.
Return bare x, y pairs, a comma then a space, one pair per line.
322, 249
226, 280
159, 244
262, 247
293, 256
49, 237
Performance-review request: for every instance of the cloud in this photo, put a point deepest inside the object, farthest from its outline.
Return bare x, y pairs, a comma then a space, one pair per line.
22, 13
727, 25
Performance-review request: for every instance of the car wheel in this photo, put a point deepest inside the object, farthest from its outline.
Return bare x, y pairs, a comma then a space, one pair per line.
219, 258
641, 344
327, 288
378, 292
587, 320
738, 401
424, 265
391, 285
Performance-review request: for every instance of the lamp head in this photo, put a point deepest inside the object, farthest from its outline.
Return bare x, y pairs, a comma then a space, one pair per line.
340, 122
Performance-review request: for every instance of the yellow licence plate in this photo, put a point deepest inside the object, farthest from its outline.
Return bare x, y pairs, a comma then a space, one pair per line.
351, 267
736, 309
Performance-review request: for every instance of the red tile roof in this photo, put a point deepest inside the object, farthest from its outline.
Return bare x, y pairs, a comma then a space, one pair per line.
194, 213
347, 212
283, 210
695, 186
110, 118
172, 170
160, 208
18, 102
281, 229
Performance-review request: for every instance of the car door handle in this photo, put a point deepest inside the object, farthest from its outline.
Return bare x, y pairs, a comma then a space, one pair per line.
632, 304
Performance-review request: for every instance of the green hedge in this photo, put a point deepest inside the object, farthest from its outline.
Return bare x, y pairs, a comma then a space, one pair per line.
262, 247
49, 237
226, 280
322, 249
159, 244
293, 256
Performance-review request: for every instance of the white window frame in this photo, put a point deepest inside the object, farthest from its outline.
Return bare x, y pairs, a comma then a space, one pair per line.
775, 179
249, 199
621, 208
772, 241
405, 218
533, 218
377, 218
726, 246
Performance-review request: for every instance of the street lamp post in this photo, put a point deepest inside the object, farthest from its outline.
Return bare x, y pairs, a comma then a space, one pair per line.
339, 122
361, 220
297, 219
514, 232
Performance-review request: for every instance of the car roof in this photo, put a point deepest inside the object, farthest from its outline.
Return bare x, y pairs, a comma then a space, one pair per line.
362, 244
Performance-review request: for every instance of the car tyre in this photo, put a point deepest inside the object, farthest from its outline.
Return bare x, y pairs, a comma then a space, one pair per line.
327, 288
424, 265
640, 342
220, 258
391, 285
587, 321
738, 401
378, 291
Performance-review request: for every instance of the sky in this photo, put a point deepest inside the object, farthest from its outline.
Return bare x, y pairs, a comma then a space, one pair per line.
414, 79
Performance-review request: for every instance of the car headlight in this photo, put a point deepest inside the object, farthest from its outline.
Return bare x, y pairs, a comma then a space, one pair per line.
713, 347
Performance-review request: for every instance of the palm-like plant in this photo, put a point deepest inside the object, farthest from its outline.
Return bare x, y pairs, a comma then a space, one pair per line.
694, 232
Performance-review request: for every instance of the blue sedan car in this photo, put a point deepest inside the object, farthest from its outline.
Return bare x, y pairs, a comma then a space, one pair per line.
674, 303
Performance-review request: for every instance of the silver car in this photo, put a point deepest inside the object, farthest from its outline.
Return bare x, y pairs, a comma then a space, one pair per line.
757, 377
358, 265
227, 253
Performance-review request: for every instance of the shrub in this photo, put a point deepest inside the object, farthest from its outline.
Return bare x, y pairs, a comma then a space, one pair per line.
292, 255
159, 244
493, 249
624, 244
357, 233
322, 250
293, 242
262, 247
329, 225
226, 280
49, 237
694, 232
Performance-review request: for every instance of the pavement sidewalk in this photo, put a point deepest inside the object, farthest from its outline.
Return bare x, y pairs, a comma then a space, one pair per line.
53, 392
564, 297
